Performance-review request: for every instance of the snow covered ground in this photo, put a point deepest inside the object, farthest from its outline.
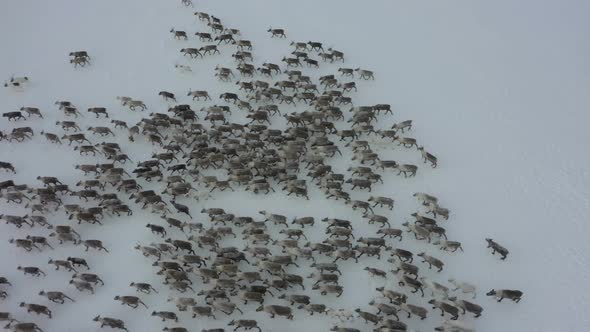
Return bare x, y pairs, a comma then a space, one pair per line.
497, 90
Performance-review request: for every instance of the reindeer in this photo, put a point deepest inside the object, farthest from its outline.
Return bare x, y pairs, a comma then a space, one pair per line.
277, 33
244, 44
167, 95
497, 248
226, 38
204, 36
79, 61
110, 322
32, 111
179, 34
365, 74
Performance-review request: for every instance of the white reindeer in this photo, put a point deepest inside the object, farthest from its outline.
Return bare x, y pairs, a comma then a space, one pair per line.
465, 287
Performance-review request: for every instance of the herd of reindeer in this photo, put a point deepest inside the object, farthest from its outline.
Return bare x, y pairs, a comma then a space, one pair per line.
205, 276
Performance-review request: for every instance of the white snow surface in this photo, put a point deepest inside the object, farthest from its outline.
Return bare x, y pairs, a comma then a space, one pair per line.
498, 91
